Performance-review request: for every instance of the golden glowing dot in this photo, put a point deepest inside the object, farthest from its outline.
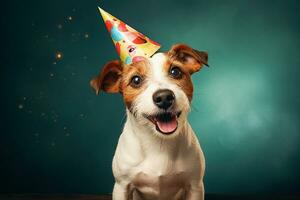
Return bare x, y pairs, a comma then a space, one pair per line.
58, 55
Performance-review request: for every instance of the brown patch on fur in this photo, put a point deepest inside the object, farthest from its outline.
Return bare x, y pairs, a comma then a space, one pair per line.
114, 77
191, 58
189, 61
185, 82
109, 78
129, 92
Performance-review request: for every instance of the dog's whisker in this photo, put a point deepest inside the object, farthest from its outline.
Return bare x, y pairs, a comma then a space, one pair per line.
194, 107
123, 118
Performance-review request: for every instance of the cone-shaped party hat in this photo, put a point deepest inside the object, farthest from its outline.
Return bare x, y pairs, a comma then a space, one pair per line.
131, 45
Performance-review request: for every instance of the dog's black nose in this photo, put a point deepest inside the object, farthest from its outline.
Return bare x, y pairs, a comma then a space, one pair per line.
163, 98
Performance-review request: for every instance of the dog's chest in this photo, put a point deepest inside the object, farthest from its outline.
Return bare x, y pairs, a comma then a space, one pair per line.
149, 186
160, 179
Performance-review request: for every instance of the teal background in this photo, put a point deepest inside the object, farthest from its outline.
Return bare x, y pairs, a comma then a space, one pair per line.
58, 137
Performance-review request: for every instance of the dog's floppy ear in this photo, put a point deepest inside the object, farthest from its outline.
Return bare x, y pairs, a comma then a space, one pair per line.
189, 57
109, 78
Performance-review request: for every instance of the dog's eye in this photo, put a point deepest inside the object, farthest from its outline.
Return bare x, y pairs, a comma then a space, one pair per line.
175, 72
136, 81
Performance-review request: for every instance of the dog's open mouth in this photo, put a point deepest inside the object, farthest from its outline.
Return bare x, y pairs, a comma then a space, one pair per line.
165, 123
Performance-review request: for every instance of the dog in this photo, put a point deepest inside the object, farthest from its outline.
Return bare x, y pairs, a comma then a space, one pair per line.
158, 156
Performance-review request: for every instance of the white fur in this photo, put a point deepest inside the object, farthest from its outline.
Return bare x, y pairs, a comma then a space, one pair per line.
143, 150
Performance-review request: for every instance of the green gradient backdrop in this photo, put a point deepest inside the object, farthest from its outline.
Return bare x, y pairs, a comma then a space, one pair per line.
57, 136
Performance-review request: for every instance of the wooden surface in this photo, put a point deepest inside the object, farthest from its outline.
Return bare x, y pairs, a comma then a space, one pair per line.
107, 197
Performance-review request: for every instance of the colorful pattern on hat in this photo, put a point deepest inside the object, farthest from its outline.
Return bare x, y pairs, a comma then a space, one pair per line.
131, 45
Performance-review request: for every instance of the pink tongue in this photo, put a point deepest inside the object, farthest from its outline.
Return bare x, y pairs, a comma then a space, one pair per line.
167, 127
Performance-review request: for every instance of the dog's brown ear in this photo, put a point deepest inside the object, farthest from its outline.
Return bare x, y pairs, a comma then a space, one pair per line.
189, 57
109, 78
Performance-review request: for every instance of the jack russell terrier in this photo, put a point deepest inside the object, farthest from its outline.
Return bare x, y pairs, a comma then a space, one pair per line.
158, 156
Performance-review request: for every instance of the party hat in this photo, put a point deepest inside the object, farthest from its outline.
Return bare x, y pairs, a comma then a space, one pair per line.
131, 45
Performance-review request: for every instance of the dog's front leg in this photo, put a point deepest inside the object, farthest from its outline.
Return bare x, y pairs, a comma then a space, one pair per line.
122, 192
196, 191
